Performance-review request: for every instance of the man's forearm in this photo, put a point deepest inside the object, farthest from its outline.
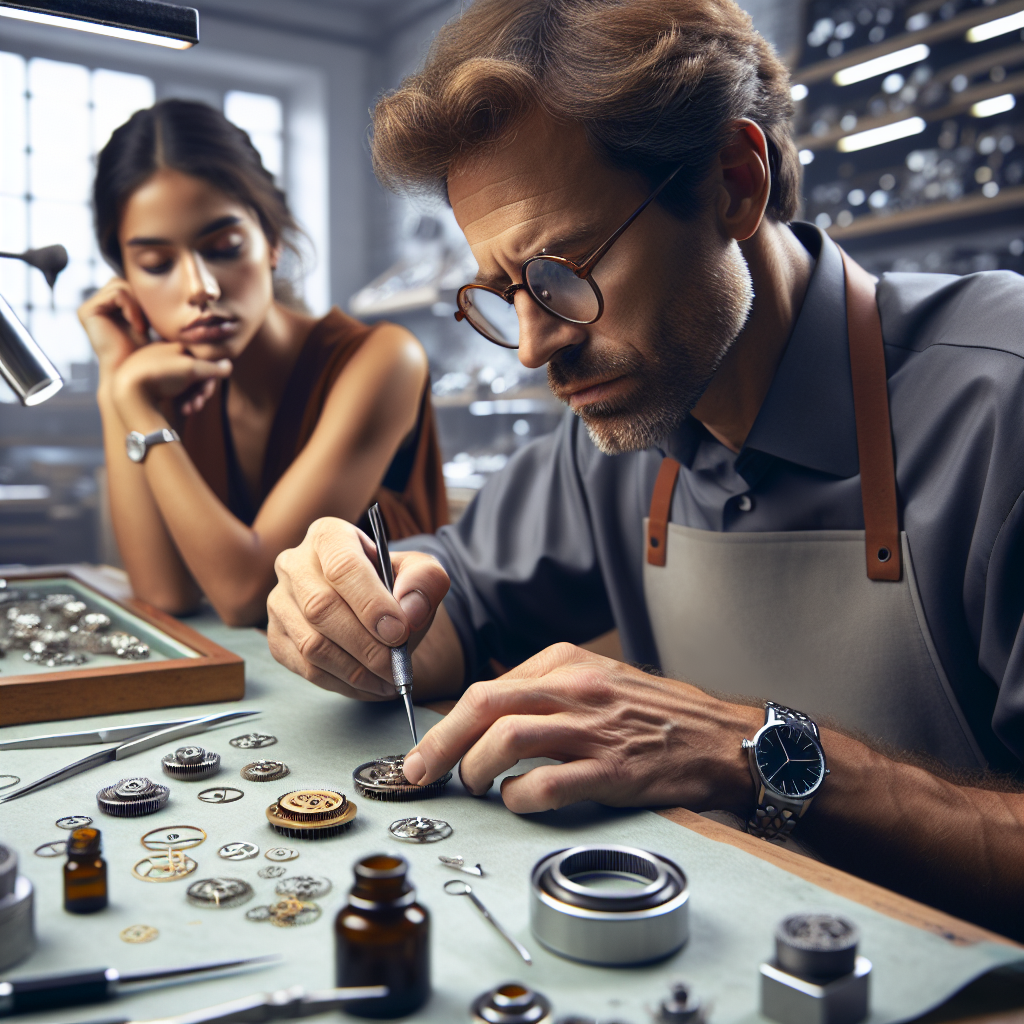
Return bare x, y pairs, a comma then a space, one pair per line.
958, 848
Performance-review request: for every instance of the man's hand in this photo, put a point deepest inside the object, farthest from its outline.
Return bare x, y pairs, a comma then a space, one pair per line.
332, 621
625, 738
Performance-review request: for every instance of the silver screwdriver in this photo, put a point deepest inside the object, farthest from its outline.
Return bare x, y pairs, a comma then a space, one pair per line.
401, 661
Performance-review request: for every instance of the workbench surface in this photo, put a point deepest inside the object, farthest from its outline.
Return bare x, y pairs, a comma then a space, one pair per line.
739, 887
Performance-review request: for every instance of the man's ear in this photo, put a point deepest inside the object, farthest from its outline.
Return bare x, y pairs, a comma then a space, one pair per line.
744, 181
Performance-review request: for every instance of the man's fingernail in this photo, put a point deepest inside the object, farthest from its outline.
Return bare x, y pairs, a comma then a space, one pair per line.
390, 629
416, 607
415, 768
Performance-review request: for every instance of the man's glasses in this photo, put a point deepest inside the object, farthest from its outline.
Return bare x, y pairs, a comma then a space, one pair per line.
558, 285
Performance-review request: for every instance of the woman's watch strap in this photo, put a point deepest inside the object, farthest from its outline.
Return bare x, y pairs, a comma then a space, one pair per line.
137, 444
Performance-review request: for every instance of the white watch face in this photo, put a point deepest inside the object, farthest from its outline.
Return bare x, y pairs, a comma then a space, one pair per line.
135, 445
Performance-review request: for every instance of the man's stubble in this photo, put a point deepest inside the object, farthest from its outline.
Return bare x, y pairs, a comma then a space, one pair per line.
691, 335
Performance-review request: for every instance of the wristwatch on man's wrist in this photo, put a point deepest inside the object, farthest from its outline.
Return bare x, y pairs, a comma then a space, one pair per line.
788, 766
137, 444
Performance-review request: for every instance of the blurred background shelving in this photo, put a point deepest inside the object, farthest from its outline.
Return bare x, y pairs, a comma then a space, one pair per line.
938, 187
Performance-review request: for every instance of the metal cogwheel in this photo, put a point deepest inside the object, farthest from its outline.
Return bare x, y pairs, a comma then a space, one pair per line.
420, 830
220, 795
303, 887
177, 837
222, 893
190, 763
55, 849
272, 871
384, 779
137, 933
253, 741
280, 854
73, 821
132, 798
287, 913
265, 771
168, 866
238, 851
312, 804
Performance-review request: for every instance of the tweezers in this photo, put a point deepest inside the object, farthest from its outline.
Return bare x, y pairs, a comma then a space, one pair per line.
108, 734
132, 746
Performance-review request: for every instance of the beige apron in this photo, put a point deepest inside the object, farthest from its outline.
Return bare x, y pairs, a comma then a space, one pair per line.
794, 617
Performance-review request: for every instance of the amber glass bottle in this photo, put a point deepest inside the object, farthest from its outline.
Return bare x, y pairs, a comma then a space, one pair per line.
85, 873
383, 938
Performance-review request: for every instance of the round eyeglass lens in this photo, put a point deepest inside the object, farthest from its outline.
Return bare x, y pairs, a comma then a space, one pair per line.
492, 316
559, 290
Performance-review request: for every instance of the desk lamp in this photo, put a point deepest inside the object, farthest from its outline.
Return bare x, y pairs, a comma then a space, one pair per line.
24, 365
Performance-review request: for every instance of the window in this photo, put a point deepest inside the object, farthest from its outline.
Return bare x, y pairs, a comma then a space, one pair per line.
263, 118
54, 119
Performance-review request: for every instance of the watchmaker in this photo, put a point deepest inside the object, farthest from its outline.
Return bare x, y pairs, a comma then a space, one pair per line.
723, 491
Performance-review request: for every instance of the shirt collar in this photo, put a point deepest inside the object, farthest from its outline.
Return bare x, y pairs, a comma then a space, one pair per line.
807, 416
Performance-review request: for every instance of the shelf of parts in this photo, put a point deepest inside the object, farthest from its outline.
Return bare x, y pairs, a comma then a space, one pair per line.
932, 34
930, 213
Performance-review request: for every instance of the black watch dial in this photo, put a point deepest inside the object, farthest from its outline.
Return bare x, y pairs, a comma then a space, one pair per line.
790, 760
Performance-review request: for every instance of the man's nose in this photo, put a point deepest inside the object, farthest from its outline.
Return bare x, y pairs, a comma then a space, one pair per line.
542, 335
202, 285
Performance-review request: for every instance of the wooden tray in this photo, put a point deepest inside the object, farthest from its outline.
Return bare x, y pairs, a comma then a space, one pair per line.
185, 667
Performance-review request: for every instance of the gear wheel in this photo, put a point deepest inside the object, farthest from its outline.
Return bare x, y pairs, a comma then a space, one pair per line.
191, 763
132, 798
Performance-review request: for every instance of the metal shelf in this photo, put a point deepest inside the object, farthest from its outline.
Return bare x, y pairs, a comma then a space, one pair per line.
932, 34
931, 213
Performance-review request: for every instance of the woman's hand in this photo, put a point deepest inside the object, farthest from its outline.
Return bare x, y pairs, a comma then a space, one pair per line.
164, 369
115, 324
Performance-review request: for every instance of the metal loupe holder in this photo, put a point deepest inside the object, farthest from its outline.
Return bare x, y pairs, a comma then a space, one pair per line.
24, 365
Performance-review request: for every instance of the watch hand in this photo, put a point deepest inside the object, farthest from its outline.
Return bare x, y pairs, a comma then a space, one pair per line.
779, 769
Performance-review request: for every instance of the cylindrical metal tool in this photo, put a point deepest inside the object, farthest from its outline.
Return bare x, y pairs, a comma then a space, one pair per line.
511, 1003
24, 365
611, 905
17, 932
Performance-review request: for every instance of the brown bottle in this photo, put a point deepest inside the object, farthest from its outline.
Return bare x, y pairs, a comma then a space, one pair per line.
85, 873
383, 938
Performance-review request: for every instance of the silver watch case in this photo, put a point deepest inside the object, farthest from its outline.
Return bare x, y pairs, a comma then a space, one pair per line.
765, 790
137, 444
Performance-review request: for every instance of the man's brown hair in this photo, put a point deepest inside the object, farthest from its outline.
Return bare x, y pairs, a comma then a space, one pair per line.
655, 84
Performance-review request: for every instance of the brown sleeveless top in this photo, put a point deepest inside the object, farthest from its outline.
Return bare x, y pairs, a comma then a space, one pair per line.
412, 497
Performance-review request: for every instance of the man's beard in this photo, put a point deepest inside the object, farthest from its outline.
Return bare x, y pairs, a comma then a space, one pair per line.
691, 335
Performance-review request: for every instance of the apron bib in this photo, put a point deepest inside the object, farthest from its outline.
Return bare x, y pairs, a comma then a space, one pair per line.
793, 616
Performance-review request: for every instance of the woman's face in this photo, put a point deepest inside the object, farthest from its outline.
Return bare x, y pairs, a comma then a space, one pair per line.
198, 263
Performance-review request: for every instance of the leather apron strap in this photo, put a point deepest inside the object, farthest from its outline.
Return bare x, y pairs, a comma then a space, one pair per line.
874, 439
874, 432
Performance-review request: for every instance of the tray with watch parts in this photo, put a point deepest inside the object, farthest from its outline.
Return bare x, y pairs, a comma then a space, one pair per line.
69, 648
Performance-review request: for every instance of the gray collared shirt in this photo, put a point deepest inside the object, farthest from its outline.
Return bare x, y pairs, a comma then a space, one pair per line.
552, 548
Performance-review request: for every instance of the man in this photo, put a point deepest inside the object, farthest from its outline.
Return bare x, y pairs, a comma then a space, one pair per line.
725, 493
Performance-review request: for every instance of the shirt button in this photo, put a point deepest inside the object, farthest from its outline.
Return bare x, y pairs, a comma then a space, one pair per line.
746, 503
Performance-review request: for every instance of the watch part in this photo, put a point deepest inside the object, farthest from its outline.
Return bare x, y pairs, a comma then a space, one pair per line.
238, 851
311, 814
459, 864
17, 933
132, 798
8, 871
303, 887
222, 893
220, 795
164, 867
55, 849
420, 830
138, 933
287, 913
265, 771
281, 853
253, 741
681, 1007
383, 779
191, 763
609, 905
511, 1003
816, 946
791, 999
272, 871
73, 821
177, 837
6, 781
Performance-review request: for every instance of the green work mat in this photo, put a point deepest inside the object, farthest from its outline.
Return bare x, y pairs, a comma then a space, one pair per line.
736, 899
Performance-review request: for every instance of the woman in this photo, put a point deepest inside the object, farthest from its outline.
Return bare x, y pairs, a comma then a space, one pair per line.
282, 418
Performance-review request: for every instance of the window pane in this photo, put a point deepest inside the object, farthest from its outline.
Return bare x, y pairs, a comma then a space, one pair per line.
115, 97
13, 273
59, 166
262, 117
12, 124
61, 337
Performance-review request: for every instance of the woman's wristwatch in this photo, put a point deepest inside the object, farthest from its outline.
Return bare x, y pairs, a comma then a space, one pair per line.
137, 444
788, 766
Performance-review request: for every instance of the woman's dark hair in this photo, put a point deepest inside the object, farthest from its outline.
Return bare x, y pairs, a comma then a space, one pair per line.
197, 140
